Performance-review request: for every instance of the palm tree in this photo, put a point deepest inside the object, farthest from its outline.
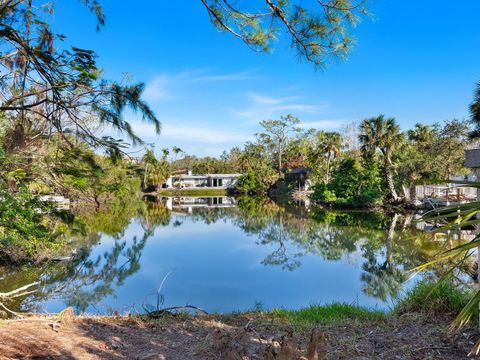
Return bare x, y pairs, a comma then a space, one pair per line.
383, 134
176, 150
475, 113
330, 145
421, 133
165, 153
148, 159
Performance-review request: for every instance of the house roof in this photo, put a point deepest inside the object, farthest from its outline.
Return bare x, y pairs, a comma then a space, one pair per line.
206, 176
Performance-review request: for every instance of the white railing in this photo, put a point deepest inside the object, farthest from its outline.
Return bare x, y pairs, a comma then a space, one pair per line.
443, 191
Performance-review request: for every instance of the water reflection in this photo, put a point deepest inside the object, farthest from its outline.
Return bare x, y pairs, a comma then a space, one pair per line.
111, 243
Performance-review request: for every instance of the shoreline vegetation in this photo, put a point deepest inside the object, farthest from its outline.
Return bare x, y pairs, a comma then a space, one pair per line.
83, 218
412, 329
341, 175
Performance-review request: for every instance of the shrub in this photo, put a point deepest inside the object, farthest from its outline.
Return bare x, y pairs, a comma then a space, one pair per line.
323, 194
247, 184
27, 226
255, 182
352, 184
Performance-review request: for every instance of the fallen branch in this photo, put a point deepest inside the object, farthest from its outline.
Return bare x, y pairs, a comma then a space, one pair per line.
11, 311
22, 294
169, 310
15, 293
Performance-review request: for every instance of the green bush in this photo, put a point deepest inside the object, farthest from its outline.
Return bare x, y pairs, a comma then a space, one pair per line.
352, 184
323, 194
26, 225
247, 184
254, 183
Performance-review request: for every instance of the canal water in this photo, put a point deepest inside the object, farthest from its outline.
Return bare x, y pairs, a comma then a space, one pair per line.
223, 254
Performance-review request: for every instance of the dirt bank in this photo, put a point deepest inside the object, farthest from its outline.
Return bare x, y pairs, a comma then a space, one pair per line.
246, 336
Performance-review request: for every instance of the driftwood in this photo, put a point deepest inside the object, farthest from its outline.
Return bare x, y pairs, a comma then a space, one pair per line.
161, 312
10, 311
21, 291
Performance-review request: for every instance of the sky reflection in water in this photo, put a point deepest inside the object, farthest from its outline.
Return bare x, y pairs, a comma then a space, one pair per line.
225, 258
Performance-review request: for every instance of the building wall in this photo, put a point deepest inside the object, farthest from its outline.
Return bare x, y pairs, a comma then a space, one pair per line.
202, 182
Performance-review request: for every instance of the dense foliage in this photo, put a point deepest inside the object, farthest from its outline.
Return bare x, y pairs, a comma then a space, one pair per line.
155, 172
253, 182
54, 105
365, 164
26, 226
352, 184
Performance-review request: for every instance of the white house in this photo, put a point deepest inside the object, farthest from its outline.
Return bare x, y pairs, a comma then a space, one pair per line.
190, 181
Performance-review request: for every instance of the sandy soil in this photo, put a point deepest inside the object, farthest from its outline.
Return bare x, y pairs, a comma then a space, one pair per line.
234, 337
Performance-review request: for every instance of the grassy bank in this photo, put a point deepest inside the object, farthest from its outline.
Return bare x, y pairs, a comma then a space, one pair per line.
334, 331
434, 299
192, 192
330, 314
424, 299
416, 329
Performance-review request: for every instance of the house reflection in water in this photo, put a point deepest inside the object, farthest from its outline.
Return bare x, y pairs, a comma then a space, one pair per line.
188, 203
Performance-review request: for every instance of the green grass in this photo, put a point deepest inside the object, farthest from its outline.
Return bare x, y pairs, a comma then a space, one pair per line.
335, 313
433, 298
426, 297
192, 192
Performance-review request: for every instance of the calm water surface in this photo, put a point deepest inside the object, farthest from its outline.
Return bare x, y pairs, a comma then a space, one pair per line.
224, 255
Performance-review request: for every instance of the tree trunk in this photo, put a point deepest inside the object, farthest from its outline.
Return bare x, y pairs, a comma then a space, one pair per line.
97, 203
389, 244
392, 193
280, 158
145, 176
413, 187
413, 193
327, 179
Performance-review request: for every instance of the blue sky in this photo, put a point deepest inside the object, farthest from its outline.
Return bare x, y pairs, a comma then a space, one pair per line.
417, 61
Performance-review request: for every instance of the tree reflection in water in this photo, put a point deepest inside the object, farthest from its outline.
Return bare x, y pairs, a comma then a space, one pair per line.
86, 280
386, 243
386, 251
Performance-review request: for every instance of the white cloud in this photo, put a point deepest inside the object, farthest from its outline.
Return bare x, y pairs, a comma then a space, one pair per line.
326, 123
196, 121
156, 90
164, 86
188, 133
268, 100
202, 134
265, 106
